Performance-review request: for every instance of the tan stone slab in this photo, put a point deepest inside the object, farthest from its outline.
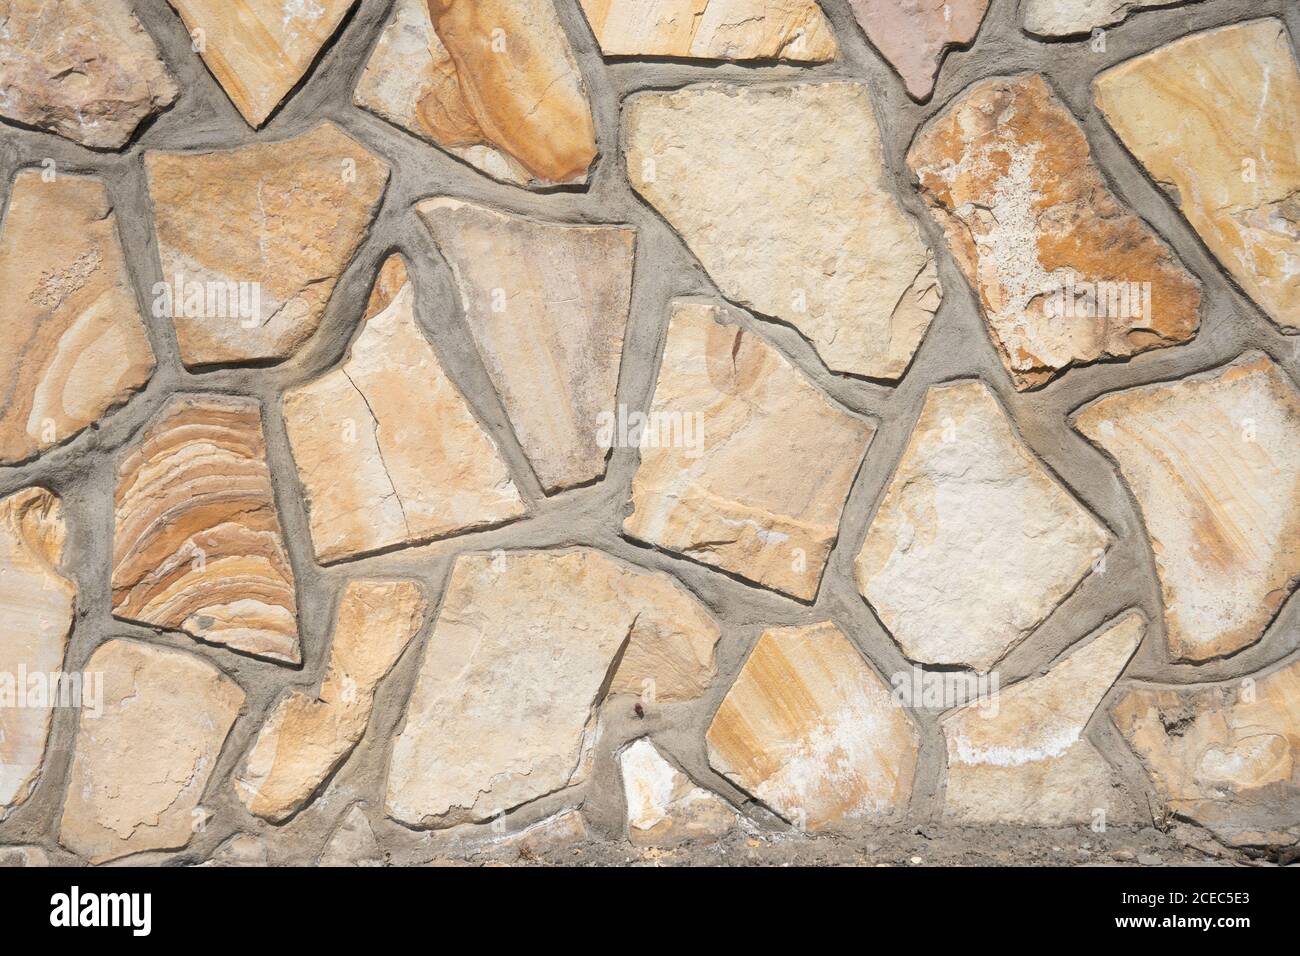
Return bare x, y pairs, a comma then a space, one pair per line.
352, 843
664, 806
915, 35
1062, 18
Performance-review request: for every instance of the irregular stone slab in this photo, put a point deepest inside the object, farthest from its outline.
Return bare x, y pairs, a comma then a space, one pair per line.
504, 708
16, 856
197, 545
915, 35
1065, 274
388, 451
1214, 462
1022, 757
781, 191
241, 850
259, 49
493, 82
794, 30
1063, 18
810, 730
975, 542
257, 293
36, 606
751, 463
664, 807
353, 843
547, 304
1212, 118
87, 72
306, 738
73, 343
557, 832
1223, 756
140, 769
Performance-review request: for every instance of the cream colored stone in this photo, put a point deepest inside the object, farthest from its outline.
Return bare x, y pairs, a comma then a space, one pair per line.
140, 768
388, 451
781, 191
547, 304
1062, 18
557, 832
751, 463
1212, 118
1214, 462
353, 843
664, 807
915, 35
810, 730
975, 542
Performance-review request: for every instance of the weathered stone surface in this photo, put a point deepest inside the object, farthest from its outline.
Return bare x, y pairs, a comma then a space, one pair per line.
556, 832
975, 542
1065, 274
1225, 756
72, 343
36, 606
302, 205
1214, 462
241, 850
492, 82
353, 843
781, 192
140, 769
1022, 756
16, 856
504, 708
197, 545
87, 72
794, 30
387, 449
1212, 118
259, 49
915, 35
1061, 18
547, 304
811, 731
664, 807
306, 738
752, 463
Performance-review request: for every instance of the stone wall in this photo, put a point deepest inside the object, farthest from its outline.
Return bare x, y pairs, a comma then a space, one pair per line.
604, 430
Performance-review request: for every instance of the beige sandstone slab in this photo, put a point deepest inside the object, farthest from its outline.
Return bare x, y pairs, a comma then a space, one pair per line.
759, 487
493, 82
1022, 757
37, 601
782, 193
557, 832
664, 807
197, 544
915, 35
352, 843
388, 451
140, 769
88, 72
306, 738
1061, 18
72, 343
1065, 274
256, 292
1214, 462
975, 542
1212, 119
809, 729
547, 304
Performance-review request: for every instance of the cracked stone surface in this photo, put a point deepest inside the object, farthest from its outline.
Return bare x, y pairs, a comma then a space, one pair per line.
1063, 18
915, 35
664, 807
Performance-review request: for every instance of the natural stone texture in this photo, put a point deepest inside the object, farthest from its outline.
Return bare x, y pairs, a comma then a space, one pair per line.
259, 49
760, 491
16, 856
781, 191
1065, 274
1214, 462
36, 606
72, 343
302, 205
504, 708
1062, 18
140, 769
557, 832
811, 731
664, 807
1022, 757
353, 843
915, 35
975, 542
1225, 756
388, 451
306, 738
794, 30
1212, 118
89, 72
492, 82
197, 545
241, 850
547, 304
